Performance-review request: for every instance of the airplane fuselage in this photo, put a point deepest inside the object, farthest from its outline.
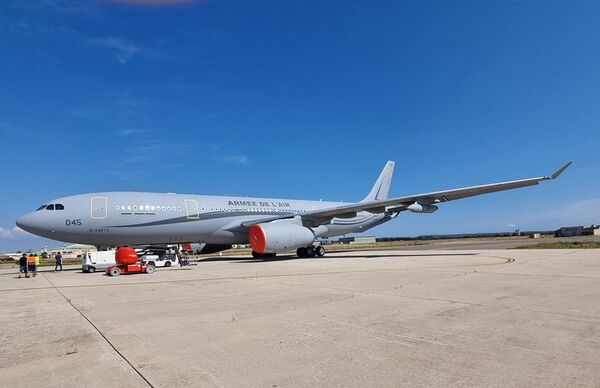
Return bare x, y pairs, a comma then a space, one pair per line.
118, 218
270, 225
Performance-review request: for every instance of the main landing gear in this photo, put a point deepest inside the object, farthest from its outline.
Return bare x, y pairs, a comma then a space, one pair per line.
311, 251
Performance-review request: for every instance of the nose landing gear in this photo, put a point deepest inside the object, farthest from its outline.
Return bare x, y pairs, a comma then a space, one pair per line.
311, 251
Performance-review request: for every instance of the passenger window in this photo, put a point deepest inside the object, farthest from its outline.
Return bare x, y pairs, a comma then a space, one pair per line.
59, 206
50, 207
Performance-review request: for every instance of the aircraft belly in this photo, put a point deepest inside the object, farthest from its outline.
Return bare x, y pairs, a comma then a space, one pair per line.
137, 234
181, 232
227, 237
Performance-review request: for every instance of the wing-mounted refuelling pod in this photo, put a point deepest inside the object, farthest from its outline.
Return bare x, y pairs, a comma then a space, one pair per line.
421, 208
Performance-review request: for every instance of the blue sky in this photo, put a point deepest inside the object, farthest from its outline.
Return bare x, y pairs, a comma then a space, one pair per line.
303, 100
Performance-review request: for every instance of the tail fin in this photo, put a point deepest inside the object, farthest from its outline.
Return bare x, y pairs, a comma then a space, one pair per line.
381, 188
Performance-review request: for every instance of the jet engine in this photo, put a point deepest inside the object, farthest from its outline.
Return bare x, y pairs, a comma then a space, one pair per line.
421, 208
279, 237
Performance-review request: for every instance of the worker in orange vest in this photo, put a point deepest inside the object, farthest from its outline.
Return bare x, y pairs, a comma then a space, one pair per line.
31, 264
36, 259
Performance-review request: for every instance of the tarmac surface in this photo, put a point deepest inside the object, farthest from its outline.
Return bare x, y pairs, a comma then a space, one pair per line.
479, 244
388, 318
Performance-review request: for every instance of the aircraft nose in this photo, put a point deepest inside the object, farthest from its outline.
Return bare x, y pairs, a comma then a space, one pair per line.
27, 222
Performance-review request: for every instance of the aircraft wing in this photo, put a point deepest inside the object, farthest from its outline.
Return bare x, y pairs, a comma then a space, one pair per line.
398, 204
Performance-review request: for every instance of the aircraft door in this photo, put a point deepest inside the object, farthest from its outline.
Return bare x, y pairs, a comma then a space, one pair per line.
99, 210
191, 206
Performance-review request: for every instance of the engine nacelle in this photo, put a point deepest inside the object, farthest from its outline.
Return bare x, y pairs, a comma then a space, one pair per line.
279, 237
421, 208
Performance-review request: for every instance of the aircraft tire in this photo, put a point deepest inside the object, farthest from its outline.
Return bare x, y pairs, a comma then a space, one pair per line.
320, 251
301, 252
310, 251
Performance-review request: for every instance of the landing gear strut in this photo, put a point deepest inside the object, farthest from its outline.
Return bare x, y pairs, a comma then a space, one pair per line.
311, 251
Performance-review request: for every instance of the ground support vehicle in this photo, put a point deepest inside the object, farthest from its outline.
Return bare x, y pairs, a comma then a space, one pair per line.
159, 256
139, 267
127, 262
92, 261
187, 261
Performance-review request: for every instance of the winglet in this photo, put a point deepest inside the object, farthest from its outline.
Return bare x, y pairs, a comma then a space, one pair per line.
559, 171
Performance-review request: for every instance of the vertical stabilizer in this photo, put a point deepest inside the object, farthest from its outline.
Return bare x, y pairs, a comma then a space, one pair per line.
381, 188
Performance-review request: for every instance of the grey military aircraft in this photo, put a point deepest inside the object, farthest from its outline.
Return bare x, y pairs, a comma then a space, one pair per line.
269, 225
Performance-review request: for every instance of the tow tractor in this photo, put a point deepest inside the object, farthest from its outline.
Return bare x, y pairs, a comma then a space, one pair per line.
127, 262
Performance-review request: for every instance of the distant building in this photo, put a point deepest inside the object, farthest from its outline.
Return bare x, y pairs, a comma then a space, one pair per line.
592, 230
72, 251
569, 231
572, 231
358, 240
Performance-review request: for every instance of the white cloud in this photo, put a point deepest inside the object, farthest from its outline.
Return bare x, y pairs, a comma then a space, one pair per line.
88, 113
129, 131
144, 153
585, 212
82, 7
123, 50
12, 233
215, 150
153, 3
153, 150
239, 159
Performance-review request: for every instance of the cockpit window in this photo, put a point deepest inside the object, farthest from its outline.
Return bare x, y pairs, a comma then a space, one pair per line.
50, 207
59, 206
41, 207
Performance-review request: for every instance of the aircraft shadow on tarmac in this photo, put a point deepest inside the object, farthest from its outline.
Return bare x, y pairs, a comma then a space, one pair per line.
246, 259
250, 260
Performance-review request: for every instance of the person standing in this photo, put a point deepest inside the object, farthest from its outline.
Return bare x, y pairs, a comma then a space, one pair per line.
23, 266
31, 264
36, 259
58, 262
